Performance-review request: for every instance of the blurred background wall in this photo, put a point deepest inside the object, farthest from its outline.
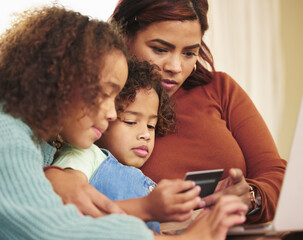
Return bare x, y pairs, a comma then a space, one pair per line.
258, 42
291, 25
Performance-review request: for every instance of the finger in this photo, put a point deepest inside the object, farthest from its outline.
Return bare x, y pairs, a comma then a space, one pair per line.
106, 206
229, 205
187, 206
188, 195
203, 213
210, 200
231, 212
84, 203
180, 217
91, 210
79, 212
236, 174
235, 189
179, 185
186, 201
238, 208
223, 184
233, 219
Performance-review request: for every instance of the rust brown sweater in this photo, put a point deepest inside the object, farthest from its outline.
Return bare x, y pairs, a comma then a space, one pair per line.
218, 126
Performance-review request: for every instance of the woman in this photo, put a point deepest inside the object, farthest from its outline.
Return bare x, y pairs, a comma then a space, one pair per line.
59, 74
218, 126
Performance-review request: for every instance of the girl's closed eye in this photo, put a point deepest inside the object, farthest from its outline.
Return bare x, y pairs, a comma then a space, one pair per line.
129, 122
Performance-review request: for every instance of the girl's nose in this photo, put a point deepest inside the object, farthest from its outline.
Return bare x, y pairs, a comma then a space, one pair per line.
144, 136
111, 114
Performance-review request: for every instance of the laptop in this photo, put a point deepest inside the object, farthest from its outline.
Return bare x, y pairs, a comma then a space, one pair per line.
289, 212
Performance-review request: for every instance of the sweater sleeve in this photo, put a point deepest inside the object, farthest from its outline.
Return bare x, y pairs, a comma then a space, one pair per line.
29, 208
265, 169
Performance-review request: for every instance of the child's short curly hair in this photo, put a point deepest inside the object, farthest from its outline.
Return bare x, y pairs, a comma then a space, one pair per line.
44, 56
142, 75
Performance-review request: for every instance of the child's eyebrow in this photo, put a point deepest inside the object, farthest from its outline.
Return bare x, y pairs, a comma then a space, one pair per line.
139, 114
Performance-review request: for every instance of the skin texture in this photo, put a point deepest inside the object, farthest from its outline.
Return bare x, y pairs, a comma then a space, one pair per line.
168, 44
131, 137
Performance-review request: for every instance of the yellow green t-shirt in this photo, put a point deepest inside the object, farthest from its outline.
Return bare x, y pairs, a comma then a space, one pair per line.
84, 160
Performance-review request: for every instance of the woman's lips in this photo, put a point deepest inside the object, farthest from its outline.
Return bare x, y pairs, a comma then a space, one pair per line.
168, 84
141, 151
98, 132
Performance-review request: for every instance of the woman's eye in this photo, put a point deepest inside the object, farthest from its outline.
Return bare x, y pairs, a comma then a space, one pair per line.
190, 54
158, 50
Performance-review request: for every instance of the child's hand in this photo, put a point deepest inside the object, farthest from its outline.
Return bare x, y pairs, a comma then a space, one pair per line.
169, 202
72, 187
214, 224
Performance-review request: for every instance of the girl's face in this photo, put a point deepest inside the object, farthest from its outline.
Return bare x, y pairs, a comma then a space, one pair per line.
131, 137
82, 127
173, 46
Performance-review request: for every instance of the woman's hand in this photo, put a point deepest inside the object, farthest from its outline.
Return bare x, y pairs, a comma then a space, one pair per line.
172, 200
72, 187
234, 184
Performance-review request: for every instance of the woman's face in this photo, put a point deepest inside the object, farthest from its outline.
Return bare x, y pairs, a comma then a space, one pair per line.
81, 127
173, 46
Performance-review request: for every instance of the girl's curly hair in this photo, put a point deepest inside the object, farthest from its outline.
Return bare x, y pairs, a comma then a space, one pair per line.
142, 75
45, 56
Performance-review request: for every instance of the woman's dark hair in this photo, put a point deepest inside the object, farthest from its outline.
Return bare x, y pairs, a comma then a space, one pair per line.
142, 75
134, 15
45, 56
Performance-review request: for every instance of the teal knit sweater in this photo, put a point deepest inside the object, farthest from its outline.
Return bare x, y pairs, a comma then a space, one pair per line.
30, 209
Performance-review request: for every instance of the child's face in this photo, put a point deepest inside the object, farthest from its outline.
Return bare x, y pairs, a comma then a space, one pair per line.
82, 128
131, 137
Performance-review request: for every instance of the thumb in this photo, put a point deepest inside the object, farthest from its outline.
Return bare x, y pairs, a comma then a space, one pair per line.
236, 175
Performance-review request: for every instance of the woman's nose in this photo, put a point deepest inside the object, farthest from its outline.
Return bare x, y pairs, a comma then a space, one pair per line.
173, 64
